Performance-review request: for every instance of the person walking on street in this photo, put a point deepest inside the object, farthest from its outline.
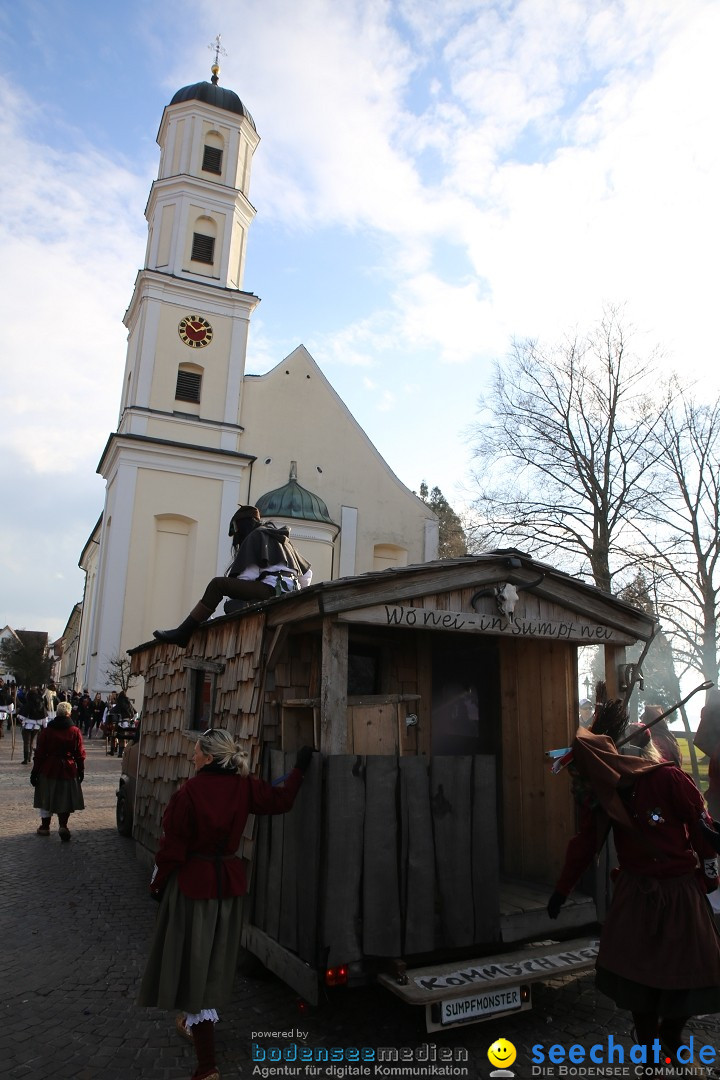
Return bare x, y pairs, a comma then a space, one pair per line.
85, 714
98, 711
199, 881
58, 772
32, 718
51, 699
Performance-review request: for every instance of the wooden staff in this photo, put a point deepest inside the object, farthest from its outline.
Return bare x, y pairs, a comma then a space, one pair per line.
672, 709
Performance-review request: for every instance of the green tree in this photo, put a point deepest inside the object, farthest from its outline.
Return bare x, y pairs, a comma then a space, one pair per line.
452, 541
26, 660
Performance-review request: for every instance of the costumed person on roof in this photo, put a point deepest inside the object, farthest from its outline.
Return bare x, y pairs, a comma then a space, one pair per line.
265, 564
659, 954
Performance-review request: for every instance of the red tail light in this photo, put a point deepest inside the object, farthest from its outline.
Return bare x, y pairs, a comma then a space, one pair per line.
337, 976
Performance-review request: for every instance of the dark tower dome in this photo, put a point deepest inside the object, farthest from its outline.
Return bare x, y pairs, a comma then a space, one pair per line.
293, 501
211, 94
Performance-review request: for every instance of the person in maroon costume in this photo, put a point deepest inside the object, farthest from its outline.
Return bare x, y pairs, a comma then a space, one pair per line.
661, 735
659, 954
58, 771
200, 881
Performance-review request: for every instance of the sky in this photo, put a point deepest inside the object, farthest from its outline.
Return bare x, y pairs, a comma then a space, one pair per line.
435, 179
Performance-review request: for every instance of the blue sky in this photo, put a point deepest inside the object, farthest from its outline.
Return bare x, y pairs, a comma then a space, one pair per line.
433, 180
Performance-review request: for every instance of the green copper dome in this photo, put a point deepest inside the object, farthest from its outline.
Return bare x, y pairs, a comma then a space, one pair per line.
293, 501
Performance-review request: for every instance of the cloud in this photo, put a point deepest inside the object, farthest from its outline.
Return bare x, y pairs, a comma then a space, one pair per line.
567, 148
66, 239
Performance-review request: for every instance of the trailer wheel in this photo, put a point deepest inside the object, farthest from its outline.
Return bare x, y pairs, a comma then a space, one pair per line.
123, 814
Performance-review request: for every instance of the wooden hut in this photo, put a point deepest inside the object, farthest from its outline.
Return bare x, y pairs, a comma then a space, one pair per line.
429, 824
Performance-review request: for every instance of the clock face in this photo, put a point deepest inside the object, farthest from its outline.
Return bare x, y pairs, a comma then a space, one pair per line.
195, 331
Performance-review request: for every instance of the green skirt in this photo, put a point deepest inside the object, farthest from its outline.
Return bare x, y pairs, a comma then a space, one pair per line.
58, 796
194, 952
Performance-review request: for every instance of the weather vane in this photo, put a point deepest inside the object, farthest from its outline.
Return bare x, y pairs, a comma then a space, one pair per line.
219, 51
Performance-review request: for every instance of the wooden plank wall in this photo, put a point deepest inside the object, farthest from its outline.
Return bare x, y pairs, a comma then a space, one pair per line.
538, 701
402, 852
246, 702
236, 648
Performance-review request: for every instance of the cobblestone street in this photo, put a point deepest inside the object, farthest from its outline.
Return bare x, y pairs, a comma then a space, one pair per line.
78, 920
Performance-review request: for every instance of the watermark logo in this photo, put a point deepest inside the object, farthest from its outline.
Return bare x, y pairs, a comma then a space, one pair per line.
501, 1054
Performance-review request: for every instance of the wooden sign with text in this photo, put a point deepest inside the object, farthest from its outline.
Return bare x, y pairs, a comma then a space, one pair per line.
416, 618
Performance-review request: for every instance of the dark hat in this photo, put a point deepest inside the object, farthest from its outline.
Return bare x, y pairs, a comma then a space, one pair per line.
637, 734
242, 513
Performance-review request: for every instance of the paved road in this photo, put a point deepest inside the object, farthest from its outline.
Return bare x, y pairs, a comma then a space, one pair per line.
77, 920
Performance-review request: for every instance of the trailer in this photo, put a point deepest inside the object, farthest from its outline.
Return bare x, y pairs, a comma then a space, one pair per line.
429, 831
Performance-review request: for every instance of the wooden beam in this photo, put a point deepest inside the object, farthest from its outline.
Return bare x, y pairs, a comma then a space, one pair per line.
613, 658
333, 688
290, 968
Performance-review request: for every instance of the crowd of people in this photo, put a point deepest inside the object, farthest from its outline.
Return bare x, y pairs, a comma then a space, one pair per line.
33, 706
53, 723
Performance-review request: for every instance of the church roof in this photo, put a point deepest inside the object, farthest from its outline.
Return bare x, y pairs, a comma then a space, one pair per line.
293, 501
212, 94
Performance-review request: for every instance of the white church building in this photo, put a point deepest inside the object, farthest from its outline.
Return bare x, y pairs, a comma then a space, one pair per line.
197, 437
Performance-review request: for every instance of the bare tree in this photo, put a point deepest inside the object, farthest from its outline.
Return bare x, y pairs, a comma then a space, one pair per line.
682, 527
118, 673
564, 457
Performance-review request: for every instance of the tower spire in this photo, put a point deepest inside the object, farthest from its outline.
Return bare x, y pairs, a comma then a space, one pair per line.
219, 51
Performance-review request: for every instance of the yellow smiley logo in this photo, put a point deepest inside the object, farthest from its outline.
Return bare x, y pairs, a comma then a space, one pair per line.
502, 1053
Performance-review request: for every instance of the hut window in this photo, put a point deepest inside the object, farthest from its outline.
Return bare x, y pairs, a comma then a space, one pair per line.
203, 686
363, 671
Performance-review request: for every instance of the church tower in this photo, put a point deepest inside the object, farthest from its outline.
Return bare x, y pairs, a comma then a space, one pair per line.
173, 469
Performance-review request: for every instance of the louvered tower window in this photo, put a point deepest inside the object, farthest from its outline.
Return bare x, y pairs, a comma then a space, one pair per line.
212, 159
188, 386
203, 248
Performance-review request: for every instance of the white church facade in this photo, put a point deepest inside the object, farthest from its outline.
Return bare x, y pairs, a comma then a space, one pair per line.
197, 437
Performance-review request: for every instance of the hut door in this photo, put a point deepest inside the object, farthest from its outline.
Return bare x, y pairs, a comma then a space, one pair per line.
465, 696
539, 695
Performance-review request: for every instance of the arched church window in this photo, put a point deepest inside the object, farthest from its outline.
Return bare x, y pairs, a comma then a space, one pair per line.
189, 383
387, 555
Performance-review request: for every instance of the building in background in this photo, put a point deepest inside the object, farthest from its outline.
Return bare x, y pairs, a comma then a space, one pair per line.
197, 437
